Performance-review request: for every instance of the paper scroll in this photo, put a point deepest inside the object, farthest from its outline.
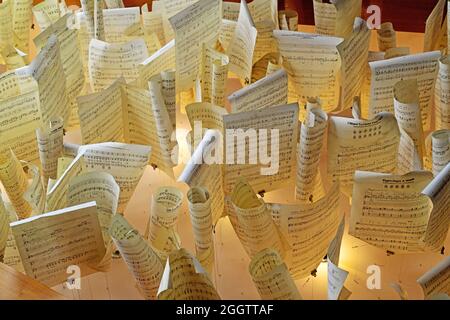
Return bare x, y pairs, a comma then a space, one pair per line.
400, 213
437, 280
242, 45
386, 73
51, 242
101, 188
386, 36
313, 63
308, 184
21, 114
263, 174
213, 75
141, 260
161, 60
46, 13
125, 162
440, 150
185, 279
272, 278
308, 229
336, 280
122, 24
271, 90
442, 103
109, 61
288, 19
361, 145
354, 54
199, 201
21, 21
433, 27
252, 221
408, 115
199, 23
199, 173
165, 210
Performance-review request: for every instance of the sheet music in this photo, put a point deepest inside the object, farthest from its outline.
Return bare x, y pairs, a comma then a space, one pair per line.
47, 70
50, 143
309, 230
4, 228
336, 280
70, 54
125, 162
165, 210
271, 90
208, 115
442, 101
213, 75
394, 212
22, 18
21, 114
308, 184
440, 150
197, 173
252, 221
288, 19
15, 182
354, 53
386, 73
199, 203
109, 61
438, 192
141, 260
386, 36
57, 191
46, 13
185, 279
407, 113
336, 18
242, 45
271, 277
226, 33
161, 60
113, 4
262, 177
365, 94
122, 24
313, 63
35, 193
198, 22
334, 249
361, 145
230, 10
153, 23
51, 242
103, 189
433, 27
436, 280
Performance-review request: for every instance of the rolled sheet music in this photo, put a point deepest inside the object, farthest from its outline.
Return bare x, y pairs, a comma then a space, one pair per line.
436, 280
199, 201
163, 238
185, 279
141, 260
386, 36
271, 277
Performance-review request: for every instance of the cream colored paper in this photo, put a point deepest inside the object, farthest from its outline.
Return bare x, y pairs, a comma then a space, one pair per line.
198, 23
103, 189
21, 114
162, 236
386, 73
436, 280
141, 260
313, 64
271, 90
354, 53
109, 61
125, 162
308, 185
213, 75
442, 100
242, 45
51, 242
185, 279
433, 27
361, 145
199, 201
386, 36
271, 277
440, 150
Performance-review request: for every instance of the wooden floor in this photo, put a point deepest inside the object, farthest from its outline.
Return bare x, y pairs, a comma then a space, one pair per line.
231, 268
